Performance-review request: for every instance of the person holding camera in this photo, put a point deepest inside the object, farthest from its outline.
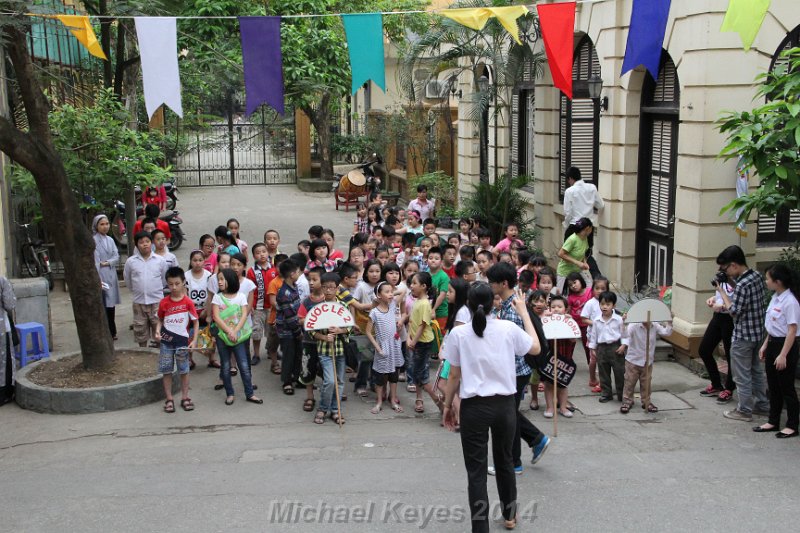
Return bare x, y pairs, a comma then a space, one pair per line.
747, 306
720, 328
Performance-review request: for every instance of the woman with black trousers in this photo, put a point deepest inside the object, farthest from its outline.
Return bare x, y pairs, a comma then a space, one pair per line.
779, 352
483, 372
719, 329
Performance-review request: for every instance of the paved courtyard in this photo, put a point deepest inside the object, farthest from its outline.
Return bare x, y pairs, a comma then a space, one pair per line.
269, 468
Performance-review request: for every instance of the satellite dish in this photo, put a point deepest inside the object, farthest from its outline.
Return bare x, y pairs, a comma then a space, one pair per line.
659, 312
328, 315
560, 327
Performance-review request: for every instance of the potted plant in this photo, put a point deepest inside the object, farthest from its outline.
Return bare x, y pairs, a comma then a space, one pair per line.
498, 203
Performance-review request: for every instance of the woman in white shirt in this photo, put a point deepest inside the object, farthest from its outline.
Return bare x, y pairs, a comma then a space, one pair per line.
779, 352
483, 371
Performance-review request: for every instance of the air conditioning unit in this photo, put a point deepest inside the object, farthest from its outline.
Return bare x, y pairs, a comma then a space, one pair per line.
435, 89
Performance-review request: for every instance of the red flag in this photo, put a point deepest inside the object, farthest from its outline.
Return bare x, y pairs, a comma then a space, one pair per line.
557, 22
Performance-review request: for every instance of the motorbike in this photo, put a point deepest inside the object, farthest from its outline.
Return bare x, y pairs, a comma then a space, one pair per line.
364, 179
120, 234
172, 196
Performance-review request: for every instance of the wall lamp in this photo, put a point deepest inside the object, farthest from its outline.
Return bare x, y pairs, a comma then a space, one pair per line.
595, 86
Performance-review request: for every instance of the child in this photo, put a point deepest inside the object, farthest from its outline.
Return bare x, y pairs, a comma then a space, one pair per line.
302, 281
566, 347
303, 247
318, 253
449, 260
310, 360
537, 308
315, 232
330, 348
421, 341
535, 264
233, 227
273, 239
210, 258
364, 291
485, 260
466, 253
382, 332
258, 275
230, 310
225, 241
440, 284
546, 283
464, 225
143, 274
605, 343
589, 313
374, 218
175, 314
425, 246
485, 240
510, 230
639, 365
361, 223
275, 283
371, 246
381, 255
348, 282
197, 280
152, 195
578, 296
458, 314
333, 253
356, 258
466, 270
414, 226
287, 324
453, 240
525, 282
428, 229
505, 257
160, 243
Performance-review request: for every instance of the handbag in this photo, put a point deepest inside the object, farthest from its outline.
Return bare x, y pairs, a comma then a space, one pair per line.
13, 333
232, 315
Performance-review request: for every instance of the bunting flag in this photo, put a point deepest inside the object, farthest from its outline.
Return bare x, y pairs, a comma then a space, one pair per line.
365, 46
476, 18
646, 35
263, 62
81, 28
557, 22
158, 50
742, 182
745, 18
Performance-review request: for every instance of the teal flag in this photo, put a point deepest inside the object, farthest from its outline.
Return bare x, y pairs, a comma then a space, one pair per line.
365, 46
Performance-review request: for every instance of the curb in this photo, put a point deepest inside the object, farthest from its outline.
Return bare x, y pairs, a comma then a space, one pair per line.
82, 401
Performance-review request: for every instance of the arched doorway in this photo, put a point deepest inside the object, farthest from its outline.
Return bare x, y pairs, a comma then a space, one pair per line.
658, 158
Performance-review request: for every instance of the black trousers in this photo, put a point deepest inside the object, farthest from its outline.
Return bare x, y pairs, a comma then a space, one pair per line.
112, 325
292, 349
525, 429
479, 416
720, 328
781, 384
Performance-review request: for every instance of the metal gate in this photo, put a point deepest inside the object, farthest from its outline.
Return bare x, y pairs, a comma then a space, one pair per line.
258, 152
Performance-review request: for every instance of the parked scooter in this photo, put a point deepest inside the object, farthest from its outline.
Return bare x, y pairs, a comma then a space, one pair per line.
120, 234
172, 195
364, 179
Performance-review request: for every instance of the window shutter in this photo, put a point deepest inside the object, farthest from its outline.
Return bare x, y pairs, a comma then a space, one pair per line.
660, 175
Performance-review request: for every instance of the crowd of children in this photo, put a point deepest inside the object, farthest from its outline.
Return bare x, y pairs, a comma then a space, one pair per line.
406, 287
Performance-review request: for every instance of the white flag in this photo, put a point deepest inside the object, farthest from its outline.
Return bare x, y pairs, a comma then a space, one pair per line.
742, 181
158, 49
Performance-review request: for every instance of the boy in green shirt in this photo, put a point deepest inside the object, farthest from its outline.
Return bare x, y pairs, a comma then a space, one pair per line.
441, 282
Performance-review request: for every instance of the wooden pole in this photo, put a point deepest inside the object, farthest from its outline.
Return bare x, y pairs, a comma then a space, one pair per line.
647, 370
336, 387
555, 388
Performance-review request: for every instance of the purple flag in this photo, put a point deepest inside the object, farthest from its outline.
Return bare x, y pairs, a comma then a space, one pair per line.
263, 64
646, 35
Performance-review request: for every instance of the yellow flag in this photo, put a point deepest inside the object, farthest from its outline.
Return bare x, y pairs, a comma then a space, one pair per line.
476, 18
745, 18
80, 27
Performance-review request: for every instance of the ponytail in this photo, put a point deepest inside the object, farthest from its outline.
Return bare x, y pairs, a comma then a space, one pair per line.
479, 299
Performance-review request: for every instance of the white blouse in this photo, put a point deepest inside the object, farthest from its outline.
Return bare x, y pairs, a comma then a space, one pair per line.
783, 310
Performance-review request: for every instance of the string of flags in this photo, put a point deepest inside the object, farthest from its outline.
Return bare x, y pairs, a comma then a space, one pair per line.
263, 64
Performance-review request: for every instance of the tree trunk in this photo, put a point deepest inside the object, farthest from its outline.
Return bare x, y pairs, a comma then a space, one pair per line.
321, 119
62, 217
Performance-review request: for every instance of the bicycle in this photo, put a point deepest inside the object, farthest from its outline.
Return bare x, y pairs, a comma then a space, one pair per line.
35, 257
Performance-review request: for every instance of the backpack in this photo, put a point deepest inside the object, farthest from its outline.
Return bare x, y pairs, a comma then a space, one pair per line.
438, 336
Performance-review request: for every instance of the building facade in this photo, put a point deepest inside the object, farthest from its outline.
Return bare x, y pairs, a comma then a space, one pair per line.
650, 146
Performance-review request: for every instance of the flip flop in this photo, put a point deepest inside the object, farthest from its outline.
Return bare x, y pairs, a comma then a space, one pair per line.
397, 408
169, 406
419, 406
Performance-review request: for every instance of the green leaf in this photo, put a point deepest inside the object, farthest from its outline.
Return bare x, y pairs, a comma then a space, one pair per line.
781, 172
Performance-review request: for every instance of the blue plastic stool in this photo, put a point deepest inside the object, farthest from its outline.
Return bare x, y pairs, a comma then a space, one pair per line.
38, 348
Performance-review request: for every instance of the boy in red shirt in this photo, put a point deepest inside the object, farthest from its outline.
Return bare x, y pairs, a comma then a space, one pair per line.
449, 260
176, 313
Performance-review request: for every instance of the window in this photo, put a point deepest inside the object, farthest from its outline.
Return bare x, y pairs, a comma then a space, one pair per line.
523, 112
785, 226
579, 119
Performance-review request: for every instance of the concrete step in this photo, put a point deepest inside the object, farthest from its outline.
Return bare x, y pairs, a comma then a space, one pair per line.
314, 185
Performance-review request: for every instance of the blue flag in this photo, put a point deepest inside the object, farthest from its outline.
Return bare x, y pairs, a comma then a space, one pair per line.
365, 46
646, 35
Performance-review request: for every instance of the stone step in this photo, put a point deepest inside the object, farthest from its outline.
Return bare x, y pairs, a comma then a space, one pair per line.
313, 185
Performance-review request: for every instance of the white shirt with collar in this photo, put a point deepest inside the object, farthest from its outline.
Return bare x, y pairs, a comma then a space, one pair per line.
606, 330
637, 341
783, 310
488, 363
580, 201
145, 277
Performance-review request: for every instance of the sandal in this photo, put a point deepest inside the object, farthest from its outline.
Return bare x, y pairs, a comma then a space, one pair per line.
541, 387
229, 400
219, 386
255, 399
534, 405
336, 417
411, 388
187, 405
625, 409
397, 408
234, 371
214, 364
375, 410
362, 392
419, 406
652, 408
319, 418
169, 406
288, 390
275, 369
309, 404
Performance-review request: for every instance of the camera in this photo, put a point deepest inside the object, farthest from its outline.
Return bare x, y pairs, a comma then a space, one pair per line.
719, 277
